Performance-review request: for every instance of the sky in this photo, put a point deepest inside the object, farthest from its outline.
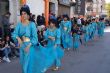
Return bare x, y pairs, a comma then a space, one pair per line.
107, 1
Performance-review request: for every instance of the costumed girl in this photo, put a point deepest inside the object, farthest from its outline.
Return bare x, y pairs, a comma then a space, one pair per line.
76, 37
66, 36
53, 36
33, 57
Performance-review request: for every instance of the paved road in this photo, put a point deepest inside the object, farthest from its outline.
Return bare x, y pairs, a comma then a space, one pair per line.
94, 58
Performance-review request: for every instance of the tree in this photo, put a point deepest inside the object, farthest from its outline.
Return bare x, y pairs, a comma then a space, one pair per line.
107, 6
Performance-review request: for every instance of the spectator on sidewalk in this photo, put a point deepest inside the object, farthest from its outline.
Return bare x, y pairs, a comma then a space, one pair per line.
5, 23
79, 21
41, 38
52, 16
12, 46
5, 49
40, 20
33, 18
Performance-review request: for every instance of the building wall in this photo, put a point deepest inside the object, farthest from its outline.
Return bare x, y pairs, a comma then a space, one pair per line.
64, 7
37, 7
14, 10
54, 8
63, 10
97, 6
80, 7
88, 5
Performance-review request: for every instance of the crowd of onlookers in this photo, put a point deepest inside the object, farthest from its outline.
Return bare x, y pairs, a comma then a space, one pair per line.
7, 47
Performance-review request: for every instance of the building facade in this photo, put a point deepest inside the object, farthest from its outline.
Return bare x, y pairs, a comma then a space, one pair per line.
95, 7
66, 7
98, 6
80, 7
37, 7
88, 7
53, 6
11, 6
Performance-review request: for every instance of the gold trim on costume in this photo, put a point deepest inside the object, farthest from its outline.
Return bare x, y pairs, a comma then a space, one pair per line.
25, 39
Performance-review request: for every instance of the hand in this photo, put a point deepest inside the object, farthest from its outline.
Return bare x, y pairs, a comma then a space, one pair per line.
55, 46
27, 48
52, 38
65, 28
19, 41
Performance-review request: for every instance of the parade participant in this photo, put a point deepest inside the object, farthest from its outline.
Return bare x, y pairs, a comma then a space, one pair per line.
76, 37
94, 28
33, 57
53, 36
101, 27
86, 34
66, 36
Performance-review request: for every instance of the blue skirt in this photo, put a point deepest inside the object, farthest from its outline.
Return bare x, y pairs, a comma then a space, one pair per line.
86, 37
55, 53
37, 59
67, 40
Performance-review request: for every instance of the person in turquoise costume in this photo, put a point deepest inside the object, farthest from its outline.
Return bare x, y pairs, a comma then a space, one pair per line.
33, 57
101, 26
94, 28
66, 37
76, 37
53, 36
86, 33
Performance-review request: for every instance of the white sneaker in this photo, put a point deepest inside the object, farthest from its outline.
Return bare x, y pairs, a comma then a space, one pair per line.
68, 49
6, 59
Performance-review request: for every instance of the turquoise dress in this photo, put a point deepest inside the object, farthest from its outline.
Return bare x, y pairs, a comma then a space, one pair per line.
101, 26
66, 36
76, 41
91, 29
86, 34
36, 60
56, 51
94, 28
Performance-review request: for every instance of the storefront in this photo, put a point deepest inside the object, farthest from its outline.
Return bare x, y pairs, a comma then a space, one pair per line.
4, 6
63, 7
53, 7
11, 6
80, 7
